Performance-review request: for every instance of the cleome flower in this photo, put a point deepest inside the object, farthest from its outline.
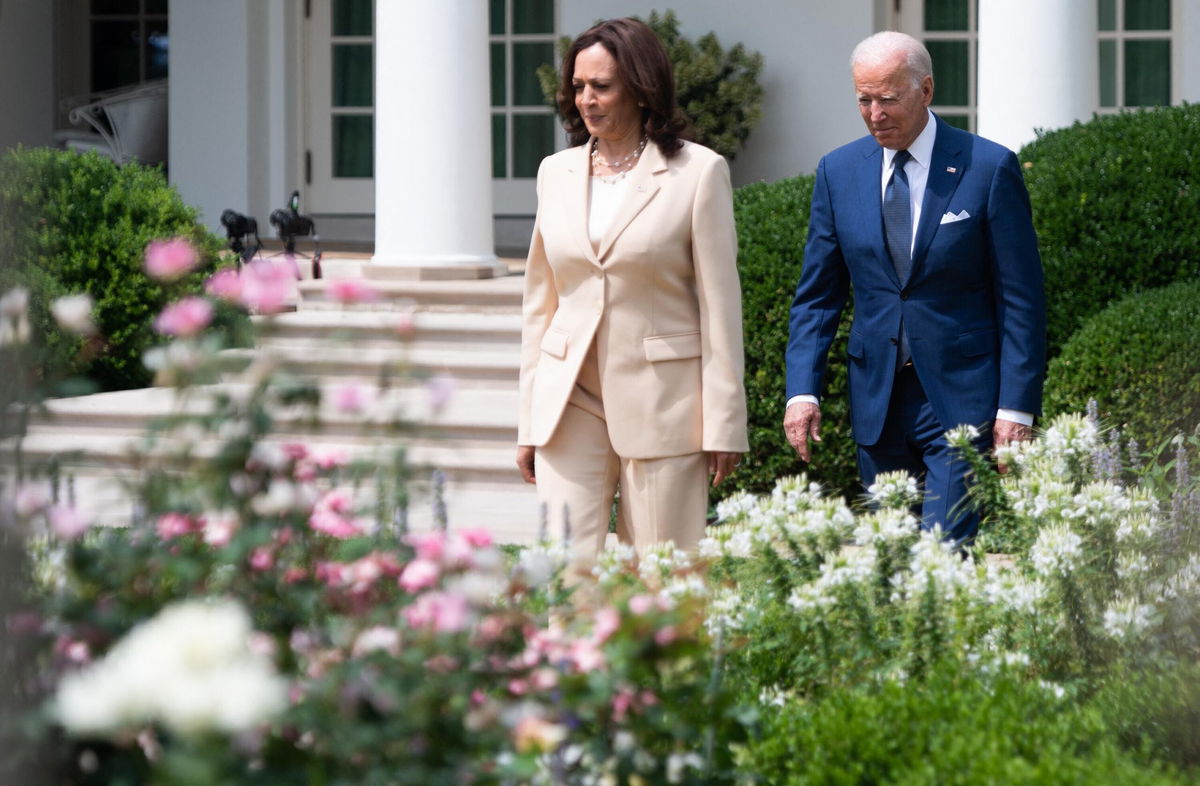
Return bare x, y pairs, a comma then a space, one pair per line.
894, 490
1126, 620
1057, 551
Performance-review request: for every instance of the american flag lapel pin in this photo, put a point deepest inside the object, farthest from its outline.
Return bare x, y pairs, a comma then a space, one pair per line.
951, 169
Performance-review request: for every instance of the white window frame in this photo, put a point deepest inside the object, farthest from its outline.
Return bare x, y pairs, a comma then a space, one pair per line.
910, 18
517, 196
1120, 35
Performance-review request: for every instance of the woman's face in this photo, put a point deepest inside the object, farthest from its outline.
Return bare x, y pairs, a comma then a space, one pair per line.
608, 109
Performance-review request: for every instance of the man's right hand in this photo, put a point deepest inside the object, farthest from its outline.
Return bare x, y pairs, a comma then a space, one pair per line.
801, 421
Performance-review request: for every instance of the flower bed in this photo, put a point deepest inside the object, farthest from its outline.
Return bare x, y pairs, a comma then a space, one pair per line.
272, 620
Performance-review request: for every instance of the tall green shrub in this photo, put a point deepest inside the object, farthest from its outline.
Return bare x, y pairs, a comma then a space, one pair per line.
1115, 205
73, 223
1140, 360
772, 225
717, 88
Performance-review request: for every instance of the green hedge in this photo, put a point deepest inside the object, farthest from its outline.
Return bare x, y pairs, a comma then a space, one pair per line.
772, 224
73, 223
1140, 360
1115, 205
950, 730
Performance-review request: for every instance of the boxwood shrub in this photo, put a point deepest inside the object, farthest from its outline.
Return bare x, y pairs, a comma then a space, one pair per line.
1140, 360
72, 223
949, 729
1115, 202
772, 225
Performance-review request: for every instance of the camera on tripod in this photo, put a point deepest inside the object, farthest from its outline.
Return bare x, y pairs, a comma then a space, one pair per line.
238, 228
290, 224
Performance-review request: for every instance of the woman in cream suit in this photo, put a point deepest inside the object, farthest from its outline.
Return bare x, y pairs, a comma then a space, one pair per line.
631, 371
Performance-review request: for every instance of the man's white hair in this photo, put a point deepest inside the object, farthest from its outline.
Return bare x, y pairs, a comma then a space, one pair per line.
882, 47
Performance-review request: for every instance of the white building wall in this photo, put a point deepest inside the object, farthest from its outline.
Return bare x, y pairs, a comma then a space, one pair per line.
26, 73
232, 124
1187, 50
808, 108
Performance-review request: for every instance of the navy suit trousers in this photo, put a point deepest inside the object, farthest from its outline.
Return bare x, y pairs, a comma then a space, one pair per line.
913, 440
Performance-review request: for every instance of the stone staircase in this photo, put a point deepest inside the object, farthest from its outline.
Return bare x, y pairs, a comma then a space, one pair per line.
448, 350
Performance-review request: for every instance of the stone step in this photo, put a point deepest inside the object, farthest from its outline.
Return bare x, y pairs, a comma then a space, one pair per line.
494, 295
119, 450
401, 365
508, 510
486, 332
470, 416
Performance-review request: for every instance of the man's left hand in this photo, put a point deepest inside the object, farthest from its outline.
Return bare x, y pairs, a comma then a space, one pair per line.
1006, 431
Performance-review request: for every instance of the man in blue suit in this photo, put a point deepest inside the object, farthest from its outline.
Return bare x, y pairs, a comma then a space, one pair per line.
932, 227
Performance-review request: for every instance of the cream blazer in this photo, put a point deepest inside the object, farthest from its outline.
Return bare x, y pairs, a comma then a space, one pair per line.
660, 298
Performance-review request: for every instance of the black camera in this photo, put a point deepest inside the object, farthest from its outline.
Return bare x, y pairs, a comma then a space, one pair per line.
238, 227
290, 224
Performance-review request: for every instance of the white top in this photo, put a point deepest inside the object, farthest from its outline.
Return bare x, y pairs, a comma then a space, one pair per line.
603, 200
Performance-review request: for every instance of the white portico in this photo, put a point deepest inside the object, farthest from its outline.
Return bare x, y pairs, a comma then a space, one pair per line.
433, 183
1037, 67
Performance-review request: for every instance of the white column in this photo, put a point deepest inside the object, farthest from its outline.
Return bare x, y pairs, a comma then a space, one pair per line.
433, 168
1038, 67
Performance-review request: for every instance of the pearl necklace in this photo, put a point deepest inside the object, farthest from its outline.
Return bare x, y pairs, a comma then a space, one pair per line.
618, 169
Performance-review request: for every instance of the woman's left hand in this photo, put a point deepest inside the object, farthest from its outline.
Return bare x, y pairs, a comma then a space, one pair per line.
721, 465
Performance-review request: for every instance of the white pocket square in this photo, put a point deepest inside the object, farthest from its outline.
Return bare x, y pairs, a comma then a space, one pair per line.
950, 218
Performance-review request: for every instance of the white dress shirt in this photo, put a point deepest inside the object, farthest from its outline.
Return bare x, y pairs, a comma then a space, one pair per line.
917, 170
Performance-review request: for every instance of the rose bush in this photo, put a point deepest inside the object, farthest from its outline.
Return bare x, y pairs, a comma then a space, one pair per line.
268, 617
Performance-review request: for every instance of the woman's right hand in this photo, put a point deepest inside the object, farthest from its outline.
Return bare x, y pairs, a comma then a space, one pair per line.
525, 455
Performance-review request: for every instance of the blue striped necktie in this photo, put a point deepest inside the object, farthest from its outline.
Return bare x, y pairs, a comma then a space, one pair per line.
897, 224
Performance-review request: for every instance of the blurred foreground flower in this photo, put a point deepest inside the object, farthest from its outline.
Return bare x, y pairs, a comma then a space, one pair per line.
352, 290
14, 316
168, 260
189, 668
185, 318
74, 313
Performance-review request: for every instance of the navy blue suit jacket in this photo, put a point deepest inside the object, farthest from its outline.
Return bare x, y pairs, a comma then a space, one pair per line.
973, 305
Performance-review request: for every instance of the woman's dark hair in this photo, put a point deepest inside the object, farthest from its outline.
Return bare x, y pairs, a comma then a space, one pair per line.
644, 69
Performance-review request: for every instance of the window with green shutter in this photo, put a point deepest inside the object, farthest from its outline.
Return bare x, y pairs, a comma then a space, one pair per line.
521, 38
1134, 50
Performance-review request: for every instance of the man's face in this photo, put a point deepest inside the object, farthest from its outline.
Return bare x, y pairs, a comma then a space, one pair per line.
891, 106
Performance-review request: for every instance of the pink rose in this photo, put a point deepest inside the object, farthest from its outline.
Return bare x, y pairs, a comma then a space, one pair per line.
428, 545
351, 398
665, 635
641, 604
442, 611
405, 326
351, 290
174, 525
586, 656
262, 559
167, 260
219, 528
266, 286
185, 318
30, 499
332, 515
67, 522
225, 284
608, 621
418, 575
479, 538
